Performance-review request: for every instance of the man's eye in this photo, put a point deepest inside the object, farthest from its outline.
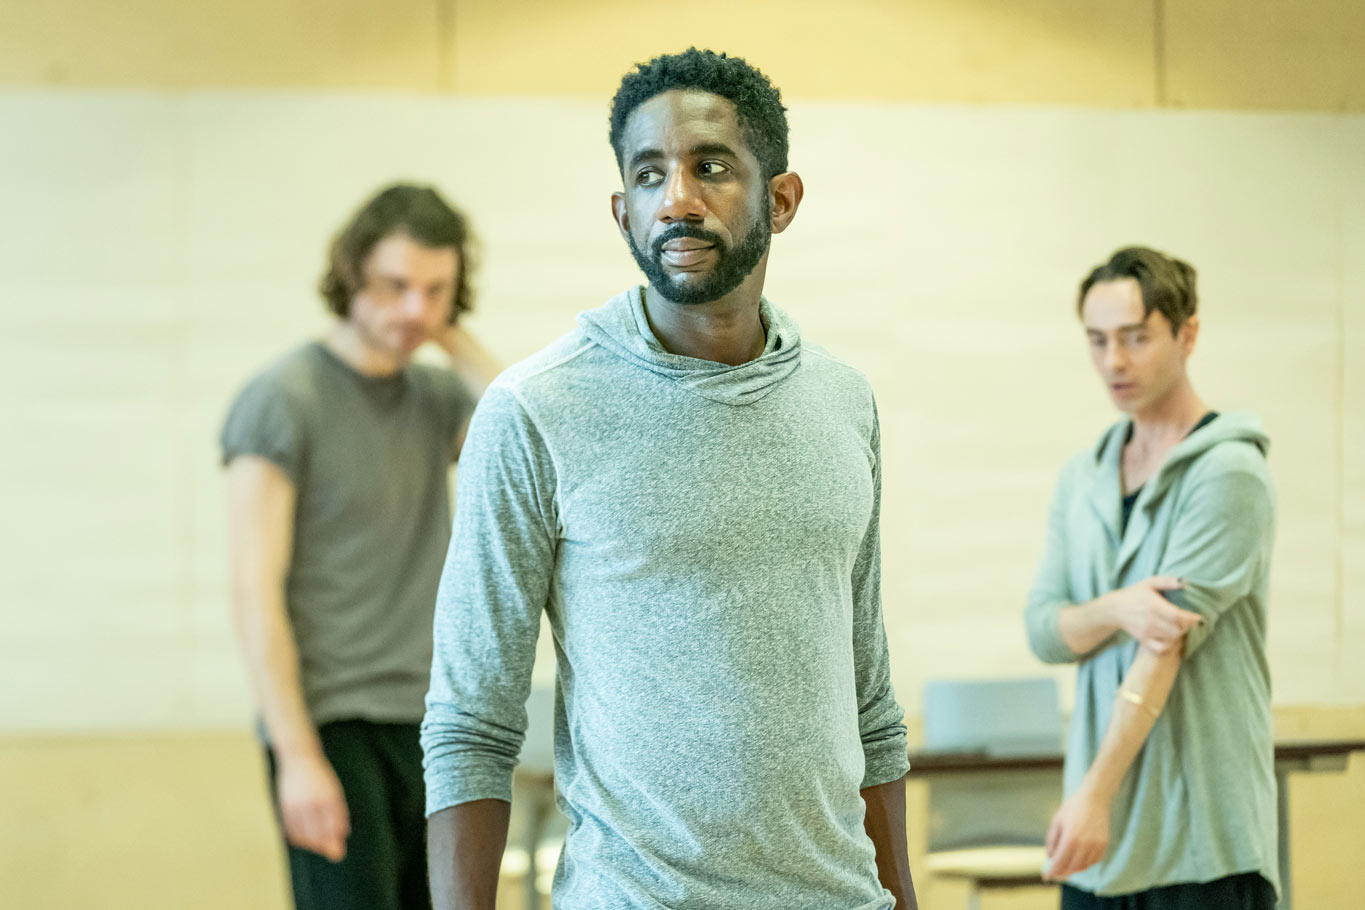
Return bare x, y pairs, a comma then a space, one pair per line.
713, 168
648, 177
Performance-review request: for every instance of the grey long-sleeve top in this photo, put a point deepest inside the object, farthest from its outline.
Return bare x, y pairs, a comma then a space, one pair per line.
704, 542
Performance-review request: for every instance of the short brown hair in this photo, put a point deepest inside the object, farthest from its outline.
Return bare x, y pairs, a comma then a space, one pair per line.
417, 211
1167, 283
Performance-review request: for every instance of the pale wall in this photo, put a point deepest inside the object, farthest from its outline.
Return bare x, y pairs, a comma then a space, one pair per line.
160, 248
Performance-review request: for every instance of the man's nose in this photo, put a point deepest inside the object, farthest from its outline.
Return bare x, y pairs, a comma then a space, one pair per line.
682, 199
414, 303
1115, 361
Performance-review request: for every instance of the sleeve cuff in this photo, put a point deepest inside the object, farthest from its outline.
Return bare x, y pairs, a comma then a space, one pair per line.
886, 759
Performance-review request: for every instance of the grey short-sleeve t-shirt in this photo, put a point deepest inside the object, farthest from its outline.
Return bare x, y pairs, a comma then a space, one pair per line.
369, 459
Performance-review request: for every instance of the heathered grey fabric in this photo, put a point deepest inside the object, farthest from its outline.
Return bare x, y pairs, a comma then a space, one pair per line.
1198, 802
704, 541
369, 458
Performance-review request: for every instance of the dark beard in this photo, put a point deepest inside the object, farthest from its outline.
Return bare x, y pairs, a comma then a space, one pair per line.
733, 264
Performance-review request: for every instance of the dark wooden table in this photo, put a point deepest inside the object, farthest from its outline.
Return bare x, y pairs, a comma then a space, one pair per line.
1310, 755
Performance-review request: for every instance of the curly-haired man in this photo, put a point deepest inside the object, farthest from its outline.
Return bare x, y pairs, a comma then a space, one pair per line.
337, 456
689, 492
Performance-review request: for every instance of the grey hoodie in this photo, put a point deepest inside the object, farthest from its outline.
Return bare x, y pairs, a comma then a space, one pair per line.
1198, 802
703, 539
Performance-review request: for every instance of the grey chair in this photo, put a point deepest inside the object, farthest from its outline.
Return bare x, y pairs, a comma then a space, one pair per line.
989, 829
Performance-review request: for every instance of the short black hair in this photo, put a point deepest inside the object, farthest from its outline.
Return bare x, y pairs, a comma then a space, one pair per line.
403, 208
1167, 283
757, 101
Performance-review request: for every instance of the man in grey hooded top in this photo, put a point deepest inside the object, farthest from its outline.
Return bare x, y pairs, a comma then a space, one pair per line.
1154, 581
689, 492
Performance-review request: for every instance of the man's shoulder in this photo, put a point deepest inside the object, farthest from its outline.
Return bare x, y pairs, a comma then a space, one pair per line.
1081, 466
833, 370
289, 377
541, 373
1234, 470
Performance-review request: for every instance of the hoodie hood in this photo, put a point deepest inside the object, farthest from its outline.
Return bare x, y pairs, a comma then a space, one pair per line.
620, 326
1227, 426
1105, 492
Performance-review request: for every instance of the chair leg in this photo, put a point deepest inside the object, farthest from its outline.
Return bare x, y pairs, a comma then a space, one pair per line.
974, 898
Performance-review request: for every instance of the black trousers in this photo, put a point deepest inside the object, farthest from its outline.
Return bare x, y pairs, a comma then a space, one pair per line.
1247, 891
385, 868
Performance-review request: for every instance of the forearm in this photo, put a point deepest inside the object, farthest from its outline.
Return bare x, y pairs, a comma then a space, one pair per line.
272, 663
464, 854
1148, 680
1084, 627
885, 826
470, 360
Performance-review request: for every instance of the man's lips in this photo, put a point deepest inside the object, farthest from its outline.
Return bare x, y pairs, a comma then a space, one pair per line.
1122, 388
680, 244
694, 254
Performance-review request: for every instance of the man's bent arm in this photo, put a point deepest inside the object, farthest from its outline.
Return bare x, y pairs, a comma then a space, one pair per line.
476, 832
885, 825
1084, 627
469, 359
1061, 631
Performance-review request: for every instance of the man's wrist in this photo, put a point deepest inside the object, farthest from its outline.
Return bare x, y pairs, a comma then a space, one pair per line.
1104, 612
299, 751
1095, 789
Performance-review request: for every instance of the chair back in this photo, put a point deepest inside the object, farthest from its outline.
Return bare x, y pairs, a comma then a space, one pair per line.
1002, 718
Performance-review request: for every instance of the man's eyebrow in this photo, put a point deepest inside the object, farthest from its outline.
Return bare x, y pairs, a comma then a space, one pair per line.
1131, 327
714, 148
645, 154
697, 151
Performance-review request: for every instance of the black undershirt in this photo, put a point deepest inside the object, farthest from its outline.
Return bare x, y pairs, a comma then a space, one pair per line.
1131, 499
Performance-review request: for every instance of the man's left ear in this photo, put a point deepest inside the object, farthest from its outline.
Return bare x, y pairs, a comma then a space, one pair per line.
784, 198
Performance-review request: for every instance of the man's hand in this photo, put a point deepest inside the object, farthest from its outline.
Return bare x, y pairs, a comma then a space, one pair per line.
1077, 837
313, 805
1143, 613
469, 359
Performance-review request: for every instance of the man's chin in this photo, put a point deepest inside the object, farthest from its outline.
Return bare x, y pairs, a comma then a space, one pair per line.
689, 289
404, 349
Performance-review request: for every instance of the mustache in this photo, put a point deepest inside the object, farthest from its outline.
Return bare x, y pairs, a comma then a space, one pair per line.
678, 231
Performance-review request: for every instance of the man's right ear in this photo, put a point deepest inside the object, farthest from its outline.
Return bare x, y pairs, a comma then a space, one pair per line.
619, 213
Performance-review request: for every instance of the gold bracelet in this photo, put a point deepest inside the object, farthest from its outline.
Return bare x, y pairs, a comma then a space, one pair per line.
1131, 696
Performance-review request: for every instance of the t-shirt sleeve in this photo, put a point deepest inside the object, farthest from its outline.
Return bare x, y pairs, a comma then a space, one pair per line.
1220, 545
262, 422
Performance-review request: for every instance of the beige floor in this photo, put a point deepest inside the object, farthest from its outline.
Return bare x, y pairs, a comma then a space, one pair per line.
180, 821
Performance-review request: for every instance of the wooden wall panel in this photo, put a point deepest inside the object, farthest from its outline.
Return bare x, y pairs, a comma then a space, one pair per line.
1040, 51
1266, 54
200, 43
1202, 53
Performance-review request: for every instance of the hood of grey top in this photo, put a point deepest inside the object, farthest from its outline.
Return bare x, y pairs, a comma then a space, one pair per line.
620, 326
